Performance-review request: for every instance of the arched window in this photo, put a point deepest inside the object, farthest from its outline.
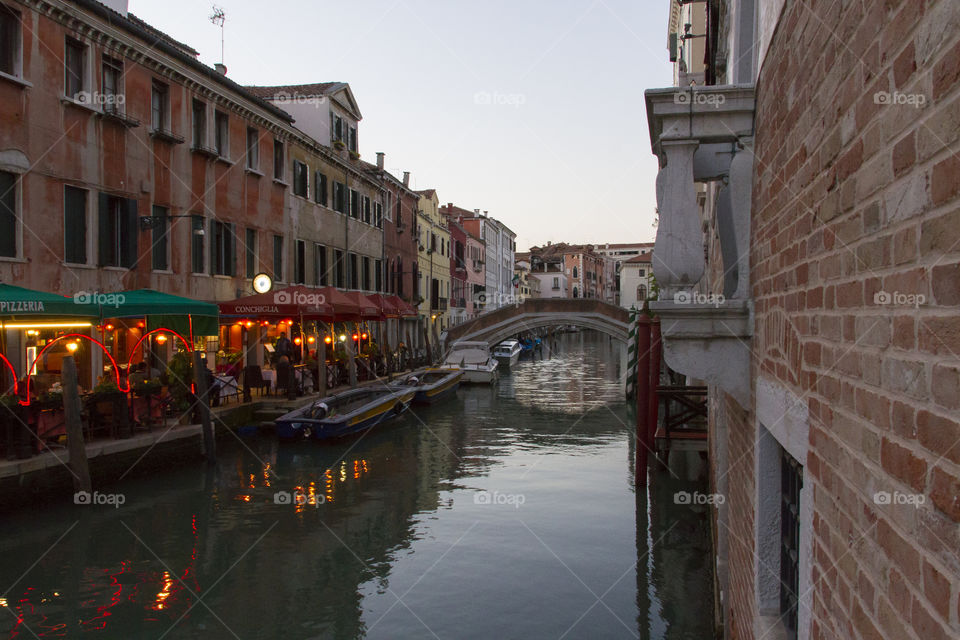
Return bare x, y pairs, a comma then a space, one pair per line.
575, 293
574, 275
642, 292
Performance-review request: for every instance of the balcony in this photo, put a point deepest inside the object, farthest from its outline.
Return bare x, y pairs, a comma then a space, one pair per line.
438, 304
703, 134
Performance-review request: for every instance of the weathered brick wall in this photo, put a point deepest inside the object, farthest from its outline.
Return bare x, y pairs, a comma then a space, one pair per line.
856, 216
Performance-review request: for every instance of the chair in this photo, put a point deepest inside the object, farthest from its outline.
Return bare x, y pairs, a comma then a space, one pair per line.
229, 387
253, 378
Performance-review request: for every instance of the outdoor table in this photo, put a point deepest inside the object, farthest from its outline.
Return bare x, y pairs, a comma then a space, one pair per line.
228, 386
270, 377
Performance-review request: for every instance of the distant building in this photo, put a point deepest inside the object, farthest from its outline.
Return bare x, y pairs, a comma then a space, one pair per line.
635, 279
620, 253
584, 268
434, 263
458, 273
524, 283
499, 248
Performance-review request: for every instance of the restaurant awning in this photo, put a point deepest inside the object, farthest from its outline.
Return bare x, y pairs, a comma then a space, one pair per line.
291, 303
369, 309
388, 308
406, 309
21, 303
163, 310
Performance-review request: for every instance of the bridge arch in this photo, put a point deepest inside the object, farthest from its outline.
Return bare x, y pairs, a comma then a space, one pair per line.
500, 324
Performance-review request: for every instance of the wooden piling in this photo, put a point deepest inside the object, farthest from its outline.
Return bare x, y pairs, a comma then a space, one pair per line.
200, 379
654, 405
321, 367
644, 441
352, 354
75, 444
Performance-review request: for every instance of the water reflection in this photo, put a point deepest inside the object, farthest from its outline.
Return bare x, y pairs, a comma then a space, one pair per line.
389, 539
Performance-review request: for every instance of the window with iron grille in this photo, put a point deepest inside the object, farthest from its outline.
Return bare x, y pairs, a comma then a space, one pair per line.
791, 481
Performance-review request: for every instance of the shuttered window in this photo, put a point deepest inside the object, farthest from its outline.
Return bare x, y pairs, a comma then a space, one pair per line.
8, 214
278, 258
300, 182
223, 248
251, 251
320, 189
74, 225
117, 223
300, 263
197, 259
320, 265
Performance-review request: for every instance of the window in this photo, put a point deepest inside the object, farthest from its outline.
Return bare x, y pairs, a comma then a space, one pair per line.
354, 272
399, 213
556, 282
300, 186
300, 263
253, 149
366, 209
352, 143
338, 275
399, 283
197, 257
337, 128
199, 125
354, 203
159, 106
378, 275
251, 251
160, 243
643, 272
278, 258
378, 215
223, 248
320, 188
117, 231
75, 69
575, 293
277, 160
366, 273
320, 265
10, 46
791, 481
574, 272
641, 293
111, 84
221, 142
75, 225
340, 197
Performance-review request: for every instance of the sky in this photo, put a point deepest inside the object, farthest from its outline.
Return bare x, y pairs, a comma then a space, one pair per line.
530, 110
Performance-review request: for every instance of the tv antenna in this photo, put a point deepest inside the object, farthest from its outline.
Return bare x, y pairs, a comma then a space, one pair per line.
218, 18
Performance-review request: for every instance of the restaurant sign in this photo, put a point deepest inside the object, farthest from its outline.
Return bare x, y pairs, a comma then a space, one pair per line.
255, 309
21, 306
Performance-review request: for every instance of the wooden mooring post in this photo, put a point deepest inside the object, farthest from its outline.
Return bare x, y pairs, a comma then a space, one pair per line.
644, 435
653, 408
200, 379
71, 410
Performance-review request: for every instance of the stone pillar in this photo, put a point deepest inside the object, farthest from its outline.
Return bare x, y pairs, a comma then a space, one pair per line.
678, 253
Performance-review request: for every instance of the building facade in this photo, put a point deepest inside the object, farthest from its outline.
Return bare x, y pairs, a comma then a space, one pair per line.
824, 316
620, 253
458, 272
434, 263
636, 277
499, 248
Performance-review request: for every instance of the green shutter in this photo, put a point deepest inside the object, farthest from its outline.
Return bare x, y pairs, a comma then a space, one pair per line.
128, 234
104, 250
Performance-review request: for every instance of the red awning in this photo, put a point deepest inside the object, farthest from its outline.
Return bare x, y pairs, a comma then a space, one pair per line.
404, 308
369, 309
345, 307
290, 303
388, 309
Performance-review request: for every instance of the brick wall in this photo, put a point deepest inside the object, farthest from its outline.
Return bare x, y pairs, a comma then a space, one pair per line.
856, 215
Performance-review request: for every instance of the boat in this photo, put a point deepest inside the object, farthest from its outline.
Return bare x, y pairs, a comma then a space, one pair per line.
345, 413
507, 352
432, 385
474, 359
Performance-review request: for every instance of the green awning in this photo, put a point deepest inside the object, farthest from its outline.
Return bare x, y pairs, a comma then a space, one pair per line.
18, 302
165, 310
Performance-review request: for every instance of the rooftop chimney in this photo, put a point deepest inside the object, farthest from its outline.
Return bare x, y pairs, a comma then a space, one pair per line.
380, 160
220, 68
450, 206
476, 211
406, 178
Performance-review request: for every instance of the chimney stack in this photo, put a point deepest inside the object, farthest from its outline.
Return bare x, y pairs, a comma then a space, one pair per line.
406, 178
220, 68
380, 160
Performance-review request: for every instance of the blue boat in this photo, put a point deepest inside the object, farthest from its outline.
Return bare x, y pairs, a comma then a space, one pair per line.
345, 414
432, 385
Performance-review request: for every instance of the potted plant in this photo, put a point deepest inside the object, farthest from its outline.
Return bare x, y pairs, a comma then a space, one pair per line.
339, 145
354, 155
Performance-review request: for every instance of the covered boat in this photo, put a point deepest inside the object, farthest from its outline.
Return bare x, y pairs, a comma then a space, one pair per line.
474, 359
345, 413
432, 385
507, 352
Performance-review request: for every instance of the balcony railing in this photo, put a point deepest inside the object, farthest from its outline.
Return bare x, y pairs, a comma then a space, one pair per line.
438, 304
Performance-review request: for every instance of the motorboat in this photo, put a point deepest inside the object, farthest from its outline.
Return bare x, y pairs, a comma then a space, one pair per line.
474, 359
507, 353
432, 385
345, 413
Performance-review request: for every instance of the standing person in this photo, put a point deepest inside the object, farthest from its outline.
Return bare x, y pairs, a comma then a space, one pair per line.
284, 352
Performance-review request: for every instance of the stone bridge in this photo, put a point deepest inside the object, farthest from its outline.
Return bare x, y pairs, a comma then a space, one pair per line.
497, 325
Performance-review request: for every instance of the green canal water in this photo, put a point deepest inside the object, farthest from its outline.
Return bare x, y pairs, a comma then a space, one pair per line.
504, 513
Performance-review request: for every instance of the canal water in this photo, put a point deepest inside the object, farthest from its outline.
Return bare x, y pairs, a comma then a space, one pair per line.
504, 513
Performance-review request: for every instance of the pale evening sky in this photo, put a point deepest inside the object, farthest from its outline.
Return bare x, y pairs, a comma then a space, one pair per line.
532, 111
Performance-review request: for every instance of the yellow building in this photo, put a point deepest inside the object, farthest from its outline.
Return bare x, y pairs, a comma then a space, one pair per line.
433, 278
